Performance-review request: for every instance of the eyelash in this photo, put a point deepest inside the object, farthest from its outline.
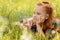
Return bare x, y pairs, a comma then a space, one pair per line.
38, 13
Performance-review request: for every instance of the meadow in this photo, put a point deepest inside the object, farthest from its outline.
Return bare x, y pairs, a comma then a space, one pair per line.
15, 10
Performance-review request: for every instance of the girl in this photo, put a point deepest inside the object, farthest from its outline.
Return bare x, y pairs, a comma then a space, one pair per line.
43, 16
43, 19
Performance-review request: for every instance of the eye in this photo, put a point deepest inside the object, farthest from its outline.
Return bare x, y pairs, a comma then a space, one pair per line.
39, 13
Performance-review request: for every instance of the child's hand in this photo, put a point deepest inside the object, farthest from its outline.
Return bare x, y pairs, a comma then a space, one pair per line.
26, 22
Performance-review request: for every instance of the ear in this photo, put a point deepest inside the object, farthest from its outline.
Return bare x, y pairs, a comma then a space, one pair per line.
47, 16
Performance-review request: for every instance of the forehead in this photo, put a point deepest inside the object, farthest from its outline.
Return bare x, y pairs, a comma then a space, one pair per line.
39, 9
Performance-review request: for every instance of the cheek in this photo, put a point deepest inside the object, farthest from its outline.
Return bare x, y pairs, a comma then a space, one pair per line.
43, 18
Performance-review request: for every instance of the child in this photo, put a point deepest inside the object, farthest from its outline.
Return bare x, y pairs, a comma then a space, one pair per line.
43, 19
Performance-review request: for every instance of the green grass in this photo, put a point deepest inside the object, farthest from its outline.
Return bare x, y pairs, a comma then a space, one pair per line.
16, 10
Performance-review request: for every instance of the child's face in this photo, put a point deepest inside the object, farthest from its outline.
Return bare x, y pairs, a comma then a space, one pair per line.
40, 14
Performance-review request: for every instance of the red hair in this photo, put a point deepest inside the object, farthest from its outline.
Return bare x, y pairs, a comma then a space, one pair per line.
49, 10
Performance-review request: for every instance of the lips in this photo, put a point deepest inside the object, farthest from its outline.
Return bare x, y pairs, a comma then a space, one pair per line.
37, 19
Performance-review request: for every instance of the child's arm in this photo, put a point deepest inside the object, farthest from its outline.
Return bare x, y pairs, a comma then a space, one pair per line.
39, 29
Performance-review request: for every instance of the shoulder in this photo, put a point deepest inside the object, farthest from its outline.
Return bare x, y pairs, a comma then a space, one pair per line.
56, 22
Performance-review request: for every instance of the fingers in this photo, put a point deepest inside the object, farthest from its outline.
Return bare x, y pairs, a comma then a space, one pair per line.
26, 22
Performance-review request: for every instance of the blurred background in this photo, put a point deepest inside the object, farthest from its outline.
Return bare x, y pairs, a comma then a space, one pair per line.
16, 10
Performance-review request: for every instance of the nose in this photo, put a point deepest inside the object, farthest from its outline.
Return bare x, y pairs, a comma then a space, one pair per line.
34, 15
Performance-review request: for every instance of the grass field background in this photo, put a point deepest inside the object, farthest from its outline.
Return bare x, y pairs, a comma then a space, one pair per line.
16, 10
